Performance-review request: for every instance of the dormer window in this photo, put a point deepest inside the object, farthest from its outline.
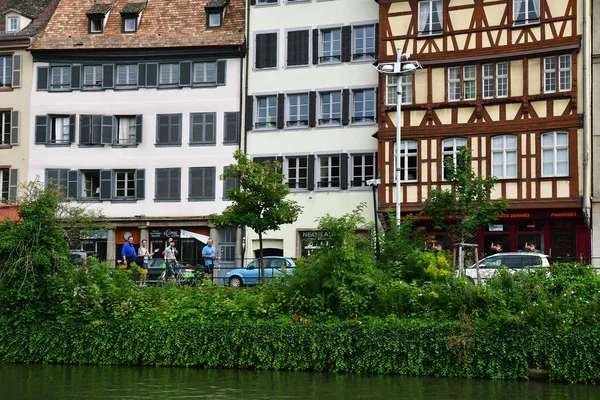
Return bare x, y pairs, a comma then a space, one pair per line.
215, 20
129, 24
13, 24
215, 11
97, 16
96, 25
131, 15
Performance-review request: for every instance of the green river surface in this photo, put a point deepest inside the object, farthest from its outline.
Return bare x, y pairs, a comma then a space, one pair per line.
22, 381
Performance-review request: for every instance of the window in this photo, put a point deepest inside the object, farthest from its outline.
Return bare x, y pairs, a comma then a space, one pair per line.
266, 50
54, 129
168, 184
261, 2
60, 129
96, 24
504, 156
331, 46
204, 73
266, 110
430, 17
127, 75
450, 149
57, 179
214, 19
297, 48
331, 109
229, 183
329, 171
129, 24
495, 80
564, 73
4, 184
202, 128
555, 154
408, 161
297, 110
60, 78
526, 12
391, 90
169, 74
124, 184
6, 71
231, 128
90, 185
90, 130
5, 128
126, 130
363, 169
92, 77
363, 110
469, 84
202, 183
297, 172
364, 42
168, 129
13, 24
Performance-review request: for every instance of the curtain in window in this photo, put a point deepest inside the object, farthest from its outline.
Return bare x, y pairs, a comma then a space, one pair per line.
519, 10
424, 12
436, 25
534, 10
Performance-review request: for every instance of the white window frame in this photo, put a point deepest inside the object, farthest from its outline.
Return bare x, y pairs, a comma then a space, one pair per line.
96, 25
127, 27
454, 86
409, 150
298, 168
326, 168
5, 126
550, 74
205, 73
96, 74
502, 79
456, 144
130, 80
59, 129
426, 22
128, 179
271, 104
362, 167
504, 156
266, 2
364, 52
554, 151
169, 74
565, 73
391, 89
528, 5
331, 116
212, 23
332, 56
12, 24
494, 80
363, 119
90, 184
469, 79
62, 83
4, 184
295, 116
6, 70
128, 137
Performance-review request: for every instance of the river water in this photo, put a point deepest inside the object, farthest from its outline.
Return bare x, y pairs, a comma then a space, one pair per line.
108, 382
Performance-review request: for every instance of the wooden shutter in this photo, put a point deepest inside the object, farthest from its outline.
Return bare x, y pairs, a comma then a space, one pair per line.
178, 120
185, 73
297, 47
310, 185
161, 183
96, 129
13, 184
221, 72
108, 80
376, 41
266, 50
76, 76
16, 73
141, 75
175, 184
346, 43
138, 128
72, 128
249, 113
152, 75
14, 127
84, 129
73, 184
106, 184
345, 106
140, 185
209, 183
315, 49
280, 111
42, 78
108, 130
41, 129
312, 109
344, 171
231, 131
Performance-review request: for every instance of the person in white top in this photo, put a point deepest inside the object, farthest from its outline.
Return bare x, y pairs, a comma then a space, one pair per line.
145, 255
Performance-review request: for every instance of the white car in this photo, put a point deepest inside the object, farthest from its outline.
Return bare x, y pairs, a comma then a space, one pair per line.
513, 261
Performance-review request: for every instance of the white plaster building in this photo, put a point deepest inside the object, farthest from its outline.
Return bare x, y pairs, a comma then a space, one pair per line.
311, 104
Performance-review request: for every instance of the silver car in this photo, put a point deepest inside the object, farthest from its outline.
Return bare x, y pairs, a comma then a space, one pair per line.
513, 261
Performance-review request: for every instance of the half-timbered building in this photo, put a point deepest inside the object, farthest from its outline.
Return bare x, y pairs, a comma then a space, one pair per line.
503, 78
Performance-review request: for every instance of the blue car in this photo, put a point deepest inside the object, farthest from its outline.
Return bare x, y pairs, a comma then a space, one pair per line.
275, 266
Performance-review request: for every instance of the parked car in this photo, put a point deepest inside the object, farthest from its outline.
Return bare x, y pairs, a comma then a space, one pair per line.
275, 266
512, 261
185, 273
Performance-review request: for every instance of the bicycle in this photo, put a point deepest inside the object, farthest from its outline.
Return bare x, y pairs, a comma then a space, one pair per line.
181, 278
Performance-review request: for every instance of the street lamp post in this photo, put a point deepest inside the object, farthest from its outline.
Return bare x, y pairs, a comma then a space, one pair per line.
373, 183
398, 69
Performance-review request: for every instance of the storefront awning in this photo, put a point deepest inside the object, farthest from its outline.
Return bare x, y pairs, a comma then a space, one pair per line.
187, 234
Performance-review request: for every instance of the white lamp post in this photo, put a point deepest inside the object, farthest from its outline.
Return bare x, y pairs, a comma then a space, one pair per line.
400, 68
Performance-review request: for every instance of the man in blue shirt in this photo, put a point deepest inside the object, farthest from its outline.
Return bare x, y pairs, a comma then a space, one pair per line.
209, 254
128, 252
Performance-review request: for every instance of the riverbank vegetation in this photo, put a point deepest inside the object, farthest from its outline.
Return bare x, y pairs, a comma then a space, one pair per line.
342, 310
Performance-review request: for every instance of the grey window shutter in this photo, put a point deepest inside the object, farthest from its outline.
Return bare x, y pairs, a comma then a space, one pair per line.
179, 128
152, 75
106, 184
76, 76
252, 2
140, 186
175, 185
138, 128
376, 41
210, 183
72, 128
13, 184
42, 78
221, 72
345, 106
344, 171
161, 183
280, 111
108, 129
84, 129
14, 127
231, 124
96, 129
72, 182
141, 75
311, 173
262, 160
41, 129
16, 73
185, 73
346, 43
315, 49
312, 109
297, 47
108, 72
249, 113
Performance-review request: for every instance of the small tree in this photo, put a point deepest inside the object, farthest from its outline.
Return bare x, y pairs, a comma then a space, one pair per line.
467, 206
258, 199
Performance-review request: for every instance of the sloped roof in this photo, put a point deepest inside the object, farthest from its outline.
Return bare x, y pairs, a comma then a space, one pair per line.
39, 11
99, 8
133, 8
164, 23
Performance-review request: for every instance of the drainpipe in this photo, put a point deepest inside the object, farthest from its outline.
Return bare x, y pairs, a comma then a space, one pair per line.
586, 141
243, 112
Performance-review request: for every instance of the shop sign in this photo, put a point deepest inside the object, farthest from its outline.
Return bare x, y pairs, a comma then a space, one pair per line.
311, 240
164, 233
496, 228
